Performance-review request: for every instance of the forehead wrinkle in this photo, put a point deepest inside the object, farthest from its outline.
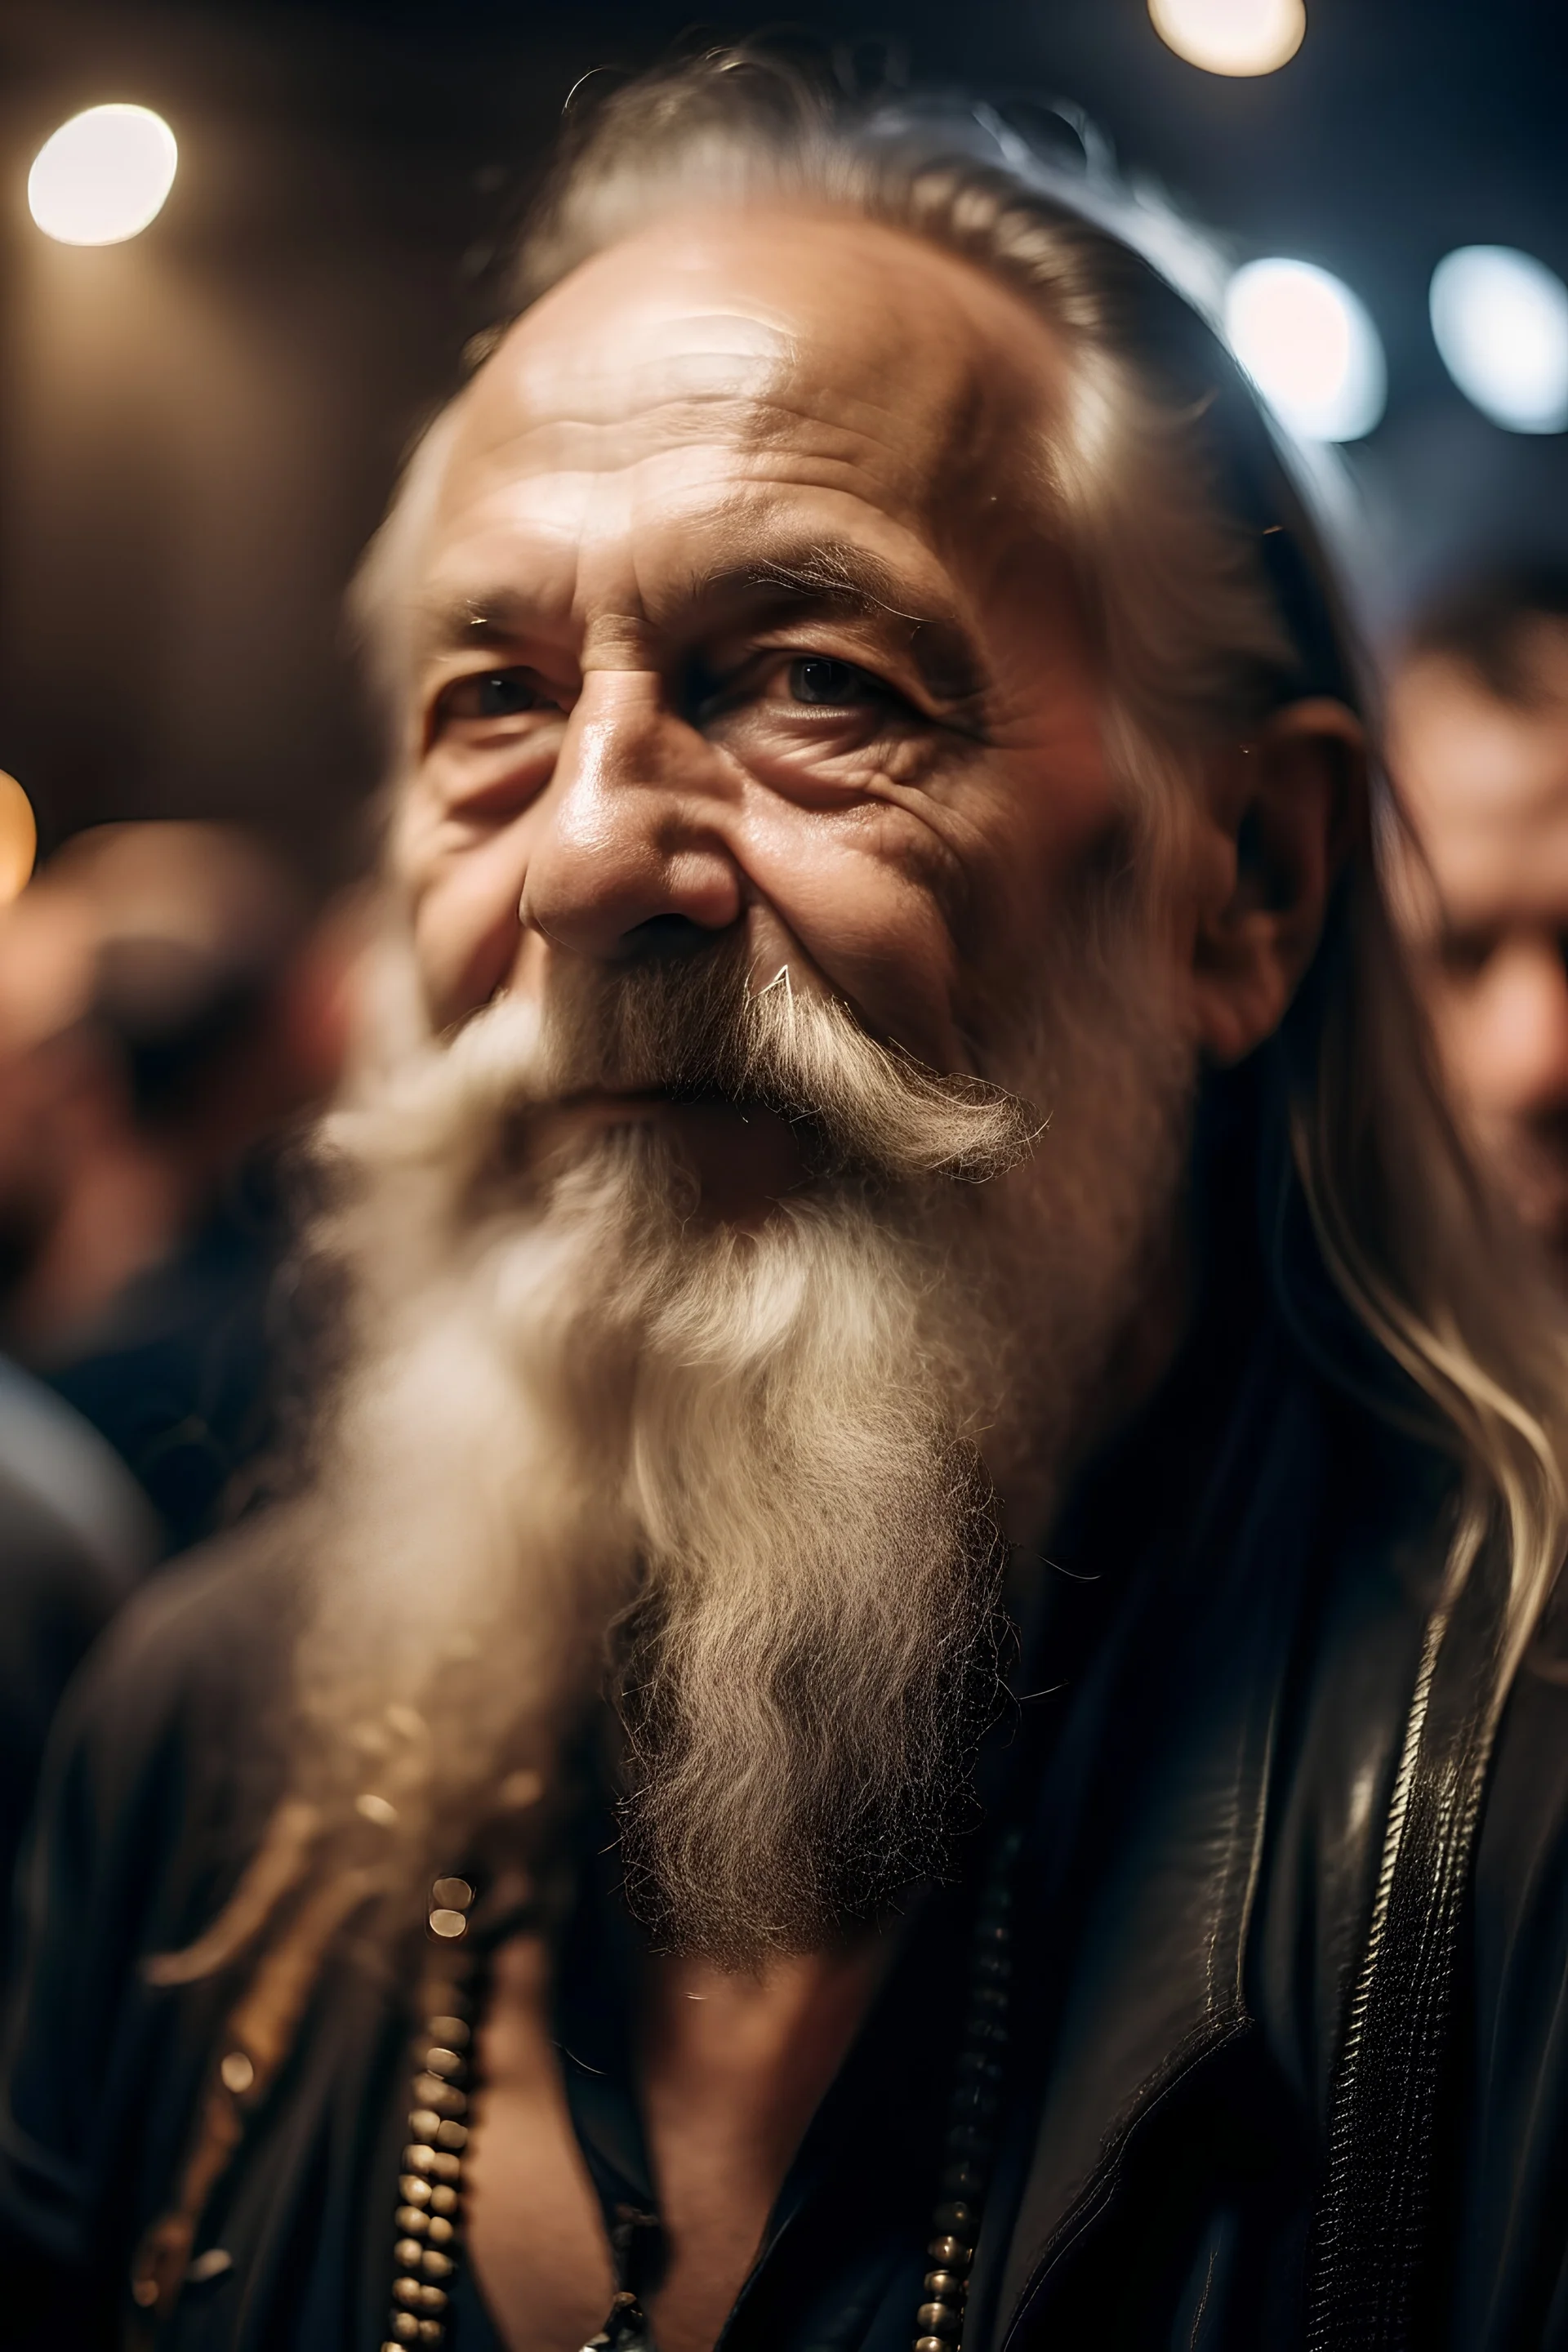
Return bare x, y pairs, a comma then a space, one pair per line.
749, 436
817, 408
905, 415
582, 389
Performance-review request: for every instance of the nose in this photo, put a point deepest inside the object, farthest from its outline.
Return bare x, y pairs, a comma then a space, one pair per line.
629, 852
1524, 1066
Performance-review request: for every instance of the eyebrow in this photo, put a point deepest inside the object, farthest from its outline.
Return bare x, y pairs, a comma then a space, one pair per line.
495, 621
839, 577
828, 576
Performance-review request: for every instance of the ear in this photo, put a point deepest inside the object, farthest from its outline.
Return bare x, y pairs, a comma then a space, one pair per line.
1282, 810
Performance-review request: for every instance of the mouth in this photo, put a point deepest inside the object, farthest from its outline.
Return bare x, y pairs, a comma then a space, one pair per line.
612, 1107
744, 1155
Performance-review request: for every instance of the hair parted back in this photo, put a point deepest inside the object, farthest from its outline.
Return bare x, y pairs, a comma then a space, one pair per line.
1205, 584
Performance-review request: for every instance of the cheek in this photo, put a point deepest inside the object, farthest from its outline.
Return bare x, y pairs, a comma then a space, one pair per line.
1041, 846
869, 897
464, 924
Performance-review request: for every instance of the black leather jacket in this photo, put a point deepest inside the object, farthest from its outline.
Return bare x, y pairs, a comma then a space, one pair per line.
1291, 2064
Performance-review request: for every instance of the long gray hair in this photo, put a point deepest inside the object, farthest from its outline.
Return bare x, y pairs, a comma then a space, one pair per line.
1205, 581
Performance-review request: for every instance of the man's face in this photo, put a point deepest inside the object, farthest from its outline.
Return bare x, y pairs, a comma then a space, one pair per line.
1485, 784
746, 646
740, 611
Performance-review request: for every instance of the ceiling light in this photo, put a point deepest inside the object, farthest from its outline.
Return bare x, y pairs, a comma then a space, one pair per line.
1231, 36
1310, 347
1500, 320
103, 176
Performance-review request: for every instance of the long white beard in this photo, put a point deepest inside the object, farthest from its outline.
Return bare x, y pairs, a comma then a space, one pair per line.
592, 1446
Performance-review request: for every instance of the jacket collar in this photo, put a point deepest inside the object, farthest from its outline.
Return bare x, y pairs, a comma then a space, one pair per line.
1132, 1958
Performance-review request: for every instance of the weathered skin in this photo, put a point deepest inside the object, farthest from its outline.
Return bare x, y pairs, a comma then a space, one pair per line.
617, 750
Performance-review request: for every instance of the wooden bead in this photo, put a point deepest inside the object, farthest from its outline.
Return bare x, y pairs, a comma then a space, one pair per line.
444, 2097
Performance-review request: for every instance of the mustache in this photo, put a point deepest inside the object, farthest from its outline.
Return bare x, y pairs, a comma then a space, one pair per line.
699, 1027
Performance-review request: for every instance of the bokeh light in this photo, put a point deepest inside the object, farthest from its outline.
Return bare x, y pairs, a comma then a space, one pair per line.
18, 838
1500, 319
1310, 347
1231, 36
103, 176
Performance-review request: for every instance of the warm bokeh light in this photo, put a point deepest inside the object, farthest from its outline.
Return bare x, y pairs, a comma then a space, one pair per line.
1310, 347
1231, 36
18, 838
103, 176
1500, 319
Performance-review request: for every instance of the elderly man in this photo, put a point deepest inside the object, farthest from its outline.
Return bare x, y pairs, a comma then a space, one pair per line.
870, 1725
1479, 745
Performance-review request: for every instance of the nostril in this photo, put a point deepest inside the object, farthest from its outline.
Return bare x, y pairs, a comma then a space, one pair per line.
668, 935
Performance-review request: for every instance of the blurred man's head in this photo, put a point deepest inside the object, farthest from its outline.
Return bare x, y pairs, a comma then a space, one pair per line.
870, 731
1479, 753
141, 1051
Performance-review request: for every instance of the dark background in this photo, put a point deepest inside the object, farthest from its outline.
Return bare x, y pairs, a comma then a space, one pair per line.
198, 428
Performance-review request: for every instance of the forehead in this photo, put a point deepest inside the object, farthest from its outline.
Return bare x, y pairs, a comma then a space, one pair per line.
1486, 784
707, 370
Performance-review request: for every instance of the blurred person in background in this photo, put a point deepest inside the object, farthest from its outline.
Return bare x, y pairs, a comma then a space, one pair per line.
77, 1534
1478, 755
164, 1011
77, 1530
900, 1705
168, 1019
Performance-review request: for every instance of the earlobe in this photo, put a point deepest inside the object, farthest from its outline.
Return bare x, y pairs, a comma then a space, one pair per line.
1284, 807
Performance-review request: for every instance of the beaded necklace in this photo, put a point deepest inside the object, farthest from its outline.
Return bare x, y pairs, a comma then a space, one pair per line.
430, 2187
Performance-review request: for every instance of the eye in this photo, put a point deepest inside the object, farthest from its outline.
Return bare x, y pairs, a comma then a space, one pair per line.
492, 694
817, 679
